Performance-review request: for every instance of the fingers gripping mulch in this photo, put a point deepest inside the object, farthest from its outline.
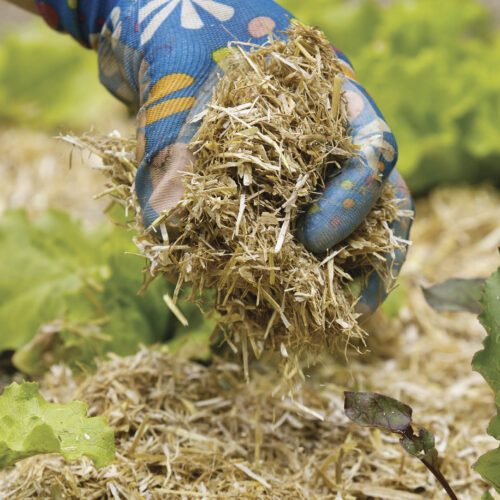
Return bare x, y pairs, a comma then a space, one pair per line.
276, 123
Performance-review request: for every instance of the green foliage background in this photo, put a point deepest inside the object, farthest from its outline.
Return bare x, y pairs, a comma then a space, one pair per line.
432, 67
47, 81
54, 269
82, 284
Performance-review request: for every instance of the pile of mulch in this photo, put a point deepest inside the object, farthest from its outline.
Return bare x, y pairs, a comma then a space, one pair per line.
275, 125
187, 431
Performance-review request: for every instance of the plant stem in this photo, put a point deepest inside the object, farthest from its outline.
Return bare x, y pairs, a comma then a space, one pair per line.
442, 480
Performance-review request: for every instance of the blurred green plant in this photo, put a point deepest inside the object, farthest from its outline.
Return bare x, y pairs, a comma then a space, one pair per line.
479, 295
47, 80
71, 294
432, 68
487, 363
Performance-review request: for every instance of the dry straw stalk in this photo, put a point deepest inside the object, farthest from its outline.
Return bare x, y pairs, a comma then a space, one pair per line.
184, 431
275, 126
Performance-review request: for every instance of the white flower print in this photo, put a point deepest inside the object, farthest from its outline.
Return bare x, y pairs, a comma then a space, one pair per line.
190, 18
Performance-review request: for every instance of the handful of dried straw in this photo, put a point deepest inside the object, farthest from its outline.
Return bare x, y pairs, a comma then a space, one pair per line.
275, 124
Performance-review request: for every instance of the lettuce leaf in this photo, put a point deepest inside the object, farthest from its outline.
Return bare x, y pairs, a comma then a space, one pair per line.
81, 283
29, 425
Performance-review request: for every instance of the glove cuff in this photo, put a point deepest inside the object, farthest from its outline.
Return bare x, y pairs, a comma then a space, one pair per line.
83, 20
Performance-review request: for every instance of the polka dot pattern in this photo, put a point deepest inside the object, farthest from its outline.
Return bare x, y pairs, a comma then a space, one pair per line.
261, 26
348, 203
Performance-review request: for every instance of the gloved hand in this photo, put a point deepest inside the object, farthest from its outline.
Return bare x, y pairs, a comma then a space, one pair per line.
162, 57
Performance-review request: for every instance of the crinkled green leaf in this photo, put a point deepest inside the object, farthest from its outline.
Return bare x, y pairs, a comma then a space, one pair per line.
29, 425
126, 319
456, 295
42, 262
487, 363
44, 350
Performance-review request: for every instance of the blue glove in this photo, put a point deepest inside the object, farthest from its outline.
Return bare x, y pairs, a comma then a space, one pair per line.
163, 58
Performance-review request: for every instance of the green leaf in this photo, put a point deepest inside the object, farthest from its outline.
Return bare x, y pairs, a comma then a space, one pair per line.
29, 425
376, 410
487, 363
78, 282
455, 295
193, 340
42, 262
71, 294
494, 427
45, 349
394, 301
488, 466
421, 445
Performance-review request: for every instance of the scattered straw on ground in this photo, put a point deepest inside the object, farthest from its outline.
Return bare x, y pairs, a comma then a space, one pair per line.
275, 124
186, 431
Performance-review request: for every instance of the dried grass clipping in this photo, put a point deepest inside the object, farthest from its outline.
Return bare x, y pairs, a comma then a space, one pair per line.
275, 124
184, 431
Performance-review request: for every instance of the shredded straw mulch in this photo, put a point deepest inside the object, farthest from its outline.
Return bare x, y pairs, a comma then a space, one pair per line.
187, 431
275, 124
